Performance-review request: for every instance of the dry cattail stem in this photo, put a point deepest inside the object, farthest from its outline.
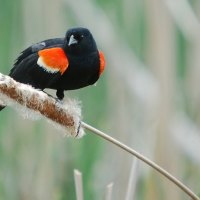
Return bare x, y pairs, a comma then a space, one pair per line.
66, 116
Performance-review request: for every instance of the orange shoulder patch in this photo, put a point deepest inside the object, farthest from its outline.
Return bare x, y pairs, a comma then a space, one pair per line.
102, 62
53, 60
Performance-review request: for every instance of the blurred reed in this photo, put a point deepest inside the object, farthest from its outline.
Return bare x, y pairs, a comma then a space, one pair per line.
148, 97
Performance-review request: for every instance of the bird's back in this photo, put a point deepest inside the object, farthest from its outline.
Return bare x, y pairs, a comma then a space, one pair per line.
26, 69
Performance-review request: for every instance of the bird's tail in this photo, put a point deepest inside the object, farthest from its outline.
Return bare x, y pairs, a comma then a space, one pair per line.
2, 107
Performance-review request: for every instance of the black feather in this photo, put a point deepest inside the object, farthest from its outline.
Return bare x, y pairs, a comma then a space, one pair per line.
83, 69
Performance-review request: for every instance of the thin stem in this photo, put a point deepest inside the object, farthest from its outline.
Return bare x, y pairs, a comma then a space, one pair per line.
109, 190
130, 194
78, 184
143, 158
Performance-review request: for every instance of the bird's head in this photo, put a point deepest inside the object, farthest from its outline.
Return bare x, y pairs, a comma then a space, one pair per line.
79, 41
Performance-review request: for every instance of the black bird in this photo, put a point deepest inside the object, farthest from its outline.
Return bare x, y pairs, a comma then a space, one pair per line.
67, 63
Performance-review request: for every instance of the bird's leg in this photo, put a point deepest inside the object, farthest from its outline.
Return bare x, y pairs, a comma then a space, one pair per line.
57, 99
48, 94
60, 94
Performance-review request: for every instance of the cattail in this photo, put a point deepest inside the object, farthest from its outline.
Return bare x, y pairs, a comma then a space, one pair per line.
33, 103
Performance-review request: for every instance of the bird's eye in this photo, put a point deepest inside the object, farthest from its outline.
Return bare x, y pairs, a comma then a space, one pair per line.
79, 37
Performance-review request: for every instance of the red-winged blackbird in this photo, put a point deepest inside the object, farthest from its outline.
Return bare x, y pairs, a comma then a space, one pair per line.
67, 63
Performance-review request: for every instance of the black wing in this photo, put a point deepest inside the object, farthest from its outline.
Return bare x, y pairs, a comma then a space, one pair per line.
27, 71
37, 47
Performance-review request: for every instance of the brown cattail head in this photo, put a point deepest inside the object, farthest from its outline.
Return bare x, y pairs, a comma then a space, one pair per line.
33, 103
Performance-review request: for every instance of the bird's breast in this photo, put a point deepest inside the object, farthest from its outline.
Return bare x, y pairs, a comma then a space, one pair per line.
81, 72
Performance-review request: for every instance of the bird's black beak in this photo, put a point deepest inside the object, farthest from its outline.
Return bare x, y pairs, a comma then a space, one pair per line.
72, 40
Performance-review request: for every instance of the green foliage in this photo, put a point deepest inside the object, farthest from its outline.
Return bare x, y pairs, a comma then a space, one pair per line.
37, 163
181, 54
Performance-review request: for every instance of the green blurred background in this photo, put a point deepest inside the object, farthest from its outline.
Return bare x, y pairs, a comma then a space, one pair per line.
148, 98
